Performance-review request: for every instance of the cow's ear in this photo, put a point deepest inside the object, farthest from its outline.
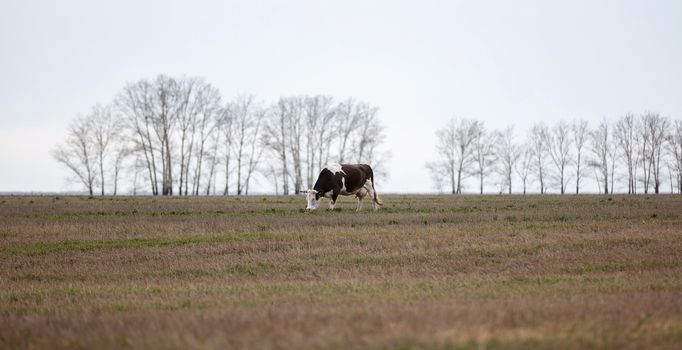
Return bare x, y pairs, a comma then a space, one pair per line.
302, 191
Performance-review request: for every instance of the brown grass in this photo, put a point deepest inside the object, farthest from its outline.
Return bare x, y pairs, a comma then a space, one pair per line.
423, 272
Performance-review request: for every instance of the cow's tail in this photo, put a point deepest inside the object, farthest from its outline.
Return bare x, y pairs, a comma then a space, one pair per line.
377, 200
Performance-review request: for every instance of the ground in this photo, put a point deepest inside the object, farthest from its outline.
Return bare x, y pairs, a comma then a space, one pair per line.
423, 272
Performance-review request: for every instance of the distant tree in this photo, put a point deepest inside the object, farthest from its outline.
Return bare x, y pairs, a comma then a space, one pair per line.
179, 131
558, 143
246, 116
79, 153
294, 134
256, 152
644, 153
275, 139
670, 177
347, 117
206, 134
655, 128
508, 153
579, 135
137, 168
524, 164
319, 113
366, 132
483, 153
625, 134
367, 138
454, 146
196, 113
213, 162
152, 110
165, 104
601, 148
121, 152
187, 111
675, 146
226, 127
104, 127
135, 104
325, 135
538, 136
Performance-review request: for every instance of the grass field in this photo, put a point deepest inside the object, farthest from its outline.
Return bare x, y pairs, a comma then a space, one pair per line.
423, 272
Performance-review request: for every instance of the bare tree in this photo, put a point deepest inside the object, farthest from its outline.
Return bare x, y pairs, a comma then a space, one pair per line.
257, 148
367, 132
138, 166
121, 152
346, 118
207, 124
326, 136
601, 146
226, 128
613, 161
675, 146
295, 132
670, 177
151, 110
246, 117
524, 164
655, 128
454, 146
377, 157
538, 135
483, 153
319, 113
187, 112
176, 129
242, 112
625, 134
508, 153
644, 153
579, 133
367, 139
559, 146
78, 153
104, 128
213, 162
275, 139
166, 102
135, 103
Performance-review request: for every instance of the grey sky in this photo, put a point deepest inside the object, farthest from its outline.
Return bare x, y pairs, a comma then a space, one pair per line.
421, 62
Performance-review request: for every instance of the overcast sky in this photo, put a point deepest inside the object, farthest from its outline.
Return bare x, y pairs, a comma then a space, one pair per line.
420, 62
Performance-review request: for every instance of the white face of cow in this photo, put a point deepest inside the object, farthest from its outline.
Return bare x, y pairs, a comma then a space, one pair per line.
313, 199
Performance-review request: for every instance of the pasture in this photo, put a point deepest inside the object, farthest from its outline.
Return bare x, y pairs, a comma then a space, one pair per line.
424, 272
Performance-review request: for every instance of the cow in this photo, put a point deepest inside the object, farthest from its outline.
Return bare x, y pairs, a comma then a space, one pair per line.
343, 179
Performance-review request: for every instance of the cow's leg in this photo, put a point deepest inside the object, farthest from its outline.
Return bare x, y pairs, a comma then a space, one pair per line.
370, 191
332, 201
361, 195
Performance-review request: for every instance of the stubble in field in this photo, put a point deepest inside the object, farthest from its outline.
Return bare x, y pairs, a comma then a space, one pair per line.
259, 272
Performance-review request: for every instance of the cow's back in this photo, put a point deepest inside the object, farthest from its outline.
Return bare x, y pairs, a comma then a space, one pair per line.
356, 175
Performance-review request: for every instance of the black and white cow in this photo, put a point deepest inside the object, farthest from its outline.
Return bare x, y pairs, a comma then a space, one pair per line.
346, 180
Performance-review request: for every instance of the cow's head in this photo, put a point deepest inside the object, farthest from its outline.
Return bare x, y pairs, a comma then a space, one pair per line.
313, 198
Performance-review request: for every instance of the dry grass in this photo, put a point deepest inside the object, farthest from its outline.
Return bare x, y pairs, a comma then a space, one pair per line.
259, 272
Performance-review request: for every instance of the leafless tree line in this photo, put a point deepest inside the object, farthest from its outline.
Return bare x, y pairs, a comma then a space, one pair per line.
636, 152
177, 136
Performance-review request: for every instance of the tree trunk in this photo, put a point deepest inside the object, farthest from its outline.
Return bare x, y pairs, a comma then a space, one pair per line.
452, 179
481, 173
101, 171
